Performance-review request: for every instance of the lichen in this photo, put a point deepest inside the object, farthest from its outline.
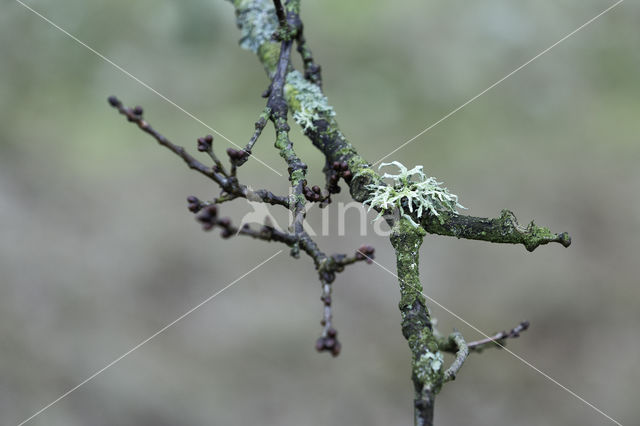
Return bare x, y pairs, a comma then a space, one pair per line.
269, 54
427, 360
411, 189
257, 21
306, 100
417, 326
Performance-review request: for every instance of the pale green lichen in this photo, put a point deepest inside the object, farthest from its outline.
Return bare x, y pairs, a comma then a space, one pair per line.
430, 363
411, 190
257, 21
310, 104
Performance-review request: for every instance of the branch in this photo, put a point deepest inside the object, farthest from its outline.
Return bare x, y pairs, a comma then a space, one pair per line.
462, 352
504, 229
417, 328
134, 115
325, 134
276, 111
498, 340
232, 189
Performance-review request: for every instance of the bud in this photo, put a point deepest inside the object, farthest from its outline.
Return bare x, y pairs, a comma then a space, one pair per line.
336, 349
114, 102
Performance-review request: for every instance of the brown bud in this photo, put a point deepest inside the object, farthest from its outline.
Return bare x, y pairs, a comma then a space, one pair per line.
336, 349
203, 145
114, 102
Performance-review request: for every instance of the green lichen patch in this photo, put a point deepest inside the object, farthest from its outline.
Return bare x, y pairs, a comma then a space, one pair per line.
269, 54
427, 360
257, 21
428, 367
306, 100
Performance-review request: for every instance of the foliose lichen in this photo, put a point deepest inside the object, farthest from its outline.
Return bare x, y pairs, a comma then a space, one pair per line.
411, 190
257, 21
311, 103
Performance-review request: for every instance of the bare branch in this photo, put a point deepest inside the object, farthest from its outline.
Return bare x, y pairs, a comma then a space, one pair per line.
498, 340
462, 352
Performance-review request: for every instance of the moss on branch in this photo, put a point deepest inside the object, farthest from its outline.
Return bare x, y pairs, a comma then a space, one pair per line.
427, 360
324, 132
504, 229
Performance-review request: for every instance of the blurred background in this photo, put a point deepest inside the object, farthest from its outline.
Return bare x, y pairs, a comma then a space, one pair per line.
98, 250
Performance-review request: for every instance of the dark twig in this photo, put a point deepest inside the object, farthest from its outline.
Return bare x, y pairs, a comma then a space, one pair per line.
278, 108
499, 339
134, 115
312, 71
229, 184
280, 13
205, 144
259, 126
209, 219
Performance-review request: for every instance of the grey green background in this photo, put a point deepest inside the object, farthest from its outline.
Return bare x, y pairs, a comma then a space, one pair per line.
98, 251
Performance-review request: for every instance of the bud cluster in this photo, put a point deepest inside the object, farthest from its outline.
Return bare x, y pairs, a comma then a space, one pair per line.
209, 219
314, 194
205, 143
329, 343
339, 169
237, 155
365, 253
194, 204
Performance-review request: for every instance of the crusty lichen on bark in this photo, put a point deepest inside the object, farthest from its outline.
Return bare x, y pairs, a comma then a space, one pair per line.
426, 358
311, 110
